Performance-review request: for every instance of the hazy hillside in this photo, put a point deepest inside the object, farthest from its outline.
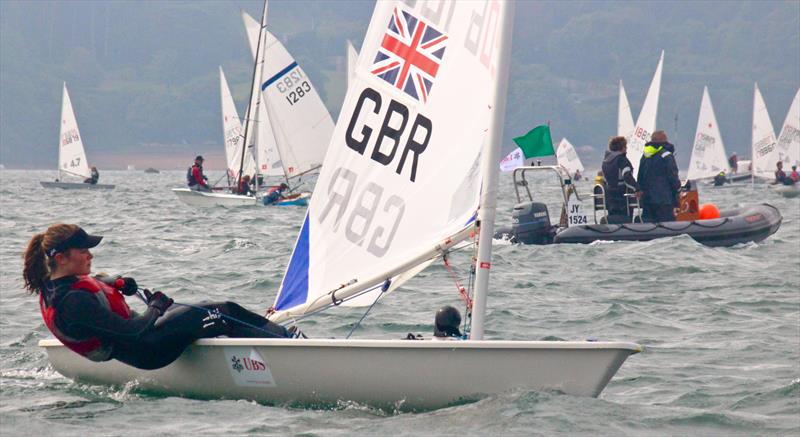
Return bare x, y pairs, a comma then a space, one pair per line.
143, 75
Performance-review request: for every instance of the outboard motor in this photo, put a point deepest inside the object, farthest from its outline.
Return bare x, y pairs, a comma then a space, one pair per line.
530, 224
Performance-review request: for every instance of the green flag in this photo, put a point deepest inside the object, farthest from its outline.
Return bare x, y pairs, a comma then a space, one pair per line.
537, 142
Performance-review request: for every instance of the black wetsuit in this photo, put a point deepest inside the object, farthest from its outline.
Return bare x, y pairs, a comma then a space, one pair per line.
93, 179
151, 340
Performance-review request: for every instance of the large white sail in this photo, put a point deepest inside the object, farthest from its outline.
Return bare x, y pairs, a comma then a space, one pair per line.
401, 179
352, 58
71, 156
789, 139
646, 123
567, 157
624, 115
708, 151
301, 124
765, 152
232, 130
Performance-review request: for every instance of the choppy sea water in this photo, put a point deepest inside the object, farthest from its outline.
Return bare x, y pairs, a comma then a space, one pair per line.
720, 326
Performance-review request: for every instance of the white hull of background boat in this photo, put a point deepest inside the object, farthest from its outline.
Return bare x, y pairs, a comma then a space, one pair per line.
787, 190
201, 198
76, 185
409, 374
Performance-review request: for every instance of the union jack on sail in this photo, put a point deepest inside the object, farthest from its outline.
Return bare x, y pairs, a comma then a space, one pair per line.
410, 54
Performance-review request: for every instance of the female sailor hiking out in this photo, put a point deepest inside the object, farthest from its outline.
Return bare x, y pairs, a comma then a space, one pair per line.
89, 315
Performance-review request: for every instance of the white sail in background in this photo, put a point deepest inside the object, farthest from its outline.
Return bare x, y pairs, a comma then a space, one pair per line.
401, 179
789, 139
71, 156
567, 157
646, 123
624, 115
301, 124
765, 152
270, 159
708, 153
352, 58
232, 130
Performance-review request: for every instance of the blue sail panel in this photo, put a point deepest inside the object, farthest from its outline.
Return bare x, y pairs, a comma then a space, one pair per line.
295, 284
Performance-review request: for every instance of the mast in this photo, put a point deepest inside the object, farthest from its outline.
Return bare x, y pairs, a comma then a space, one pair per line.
489, 171
254, 85
753, 141
61, 128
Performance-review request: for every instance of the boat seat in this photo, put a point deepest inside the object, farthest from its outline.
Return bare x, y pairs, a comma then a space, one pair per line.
635, 206
599, 196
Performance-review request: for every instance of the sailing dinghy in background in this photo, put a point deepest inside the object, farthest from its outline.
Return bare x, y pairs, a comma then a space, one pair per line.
296, 127
789, 147
232, 133
567, 157
708, 152
71, 155
646, 123
383, 205
765, 152
789, 139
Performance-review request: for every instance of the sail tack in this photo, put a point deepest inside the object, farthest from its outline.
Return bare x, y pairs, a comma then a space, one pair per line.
708, 151
401, 177
646, 123
71, 156
765, 152
789, 139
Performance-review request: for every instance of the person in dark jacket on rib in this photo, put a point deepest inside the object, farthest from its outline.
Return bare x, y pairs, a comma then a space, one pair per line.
619, 181
658, 179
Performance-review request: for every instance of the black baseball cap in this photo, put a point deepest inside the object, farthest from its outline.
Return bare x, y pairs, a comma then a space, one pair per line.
79, 240
199, 158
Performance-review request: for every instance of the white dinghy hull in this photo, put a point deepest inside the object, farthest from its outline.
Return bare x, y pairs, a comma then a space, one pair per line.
404, 374
789, 191
203, 199
76, 185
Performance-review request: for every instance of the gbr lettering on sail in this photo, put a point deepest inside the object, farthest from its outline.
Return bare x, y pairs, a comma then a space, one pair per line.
393, 139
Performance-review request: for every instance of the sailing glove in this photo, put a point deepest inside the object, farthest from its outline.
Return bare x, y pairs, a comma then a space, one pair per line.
159, 301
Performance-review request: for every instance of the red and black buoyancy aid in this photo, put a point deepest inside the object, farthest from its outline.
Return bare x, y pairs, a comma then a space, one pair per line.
108, 296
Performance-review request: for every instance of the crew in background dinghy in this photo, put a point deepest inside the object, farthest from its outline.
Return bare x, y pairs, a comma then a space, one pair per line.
89, 315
